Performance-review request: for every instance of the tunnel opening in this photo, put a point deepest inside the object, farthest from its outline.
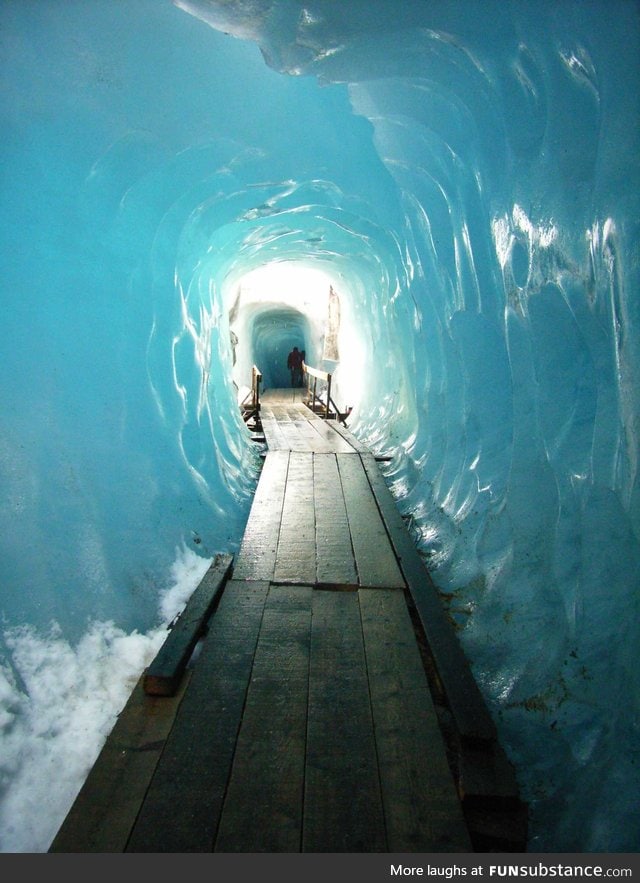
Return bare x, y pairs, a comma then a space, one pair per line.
502, 359
275, 333
289, 304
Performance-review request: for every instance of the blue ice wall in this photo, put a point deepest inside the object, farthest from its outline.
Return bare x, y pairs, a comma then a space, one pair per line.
468, 172
133, 171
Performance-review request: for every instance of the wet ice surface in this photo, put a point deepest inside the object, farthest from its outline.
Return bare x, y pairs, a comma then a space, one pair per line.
467, 183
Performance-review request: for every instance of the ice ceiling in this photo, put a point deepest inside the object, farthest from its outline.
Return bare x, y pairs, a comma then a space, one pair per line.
464, 176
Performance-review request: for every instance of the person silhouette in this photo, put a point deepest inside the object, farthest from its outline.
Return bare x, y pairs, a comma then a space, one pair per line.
294, 364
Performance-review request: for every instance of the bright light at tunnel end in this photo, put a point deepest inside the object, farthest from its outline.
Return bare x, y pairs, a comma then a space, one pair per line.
282, 304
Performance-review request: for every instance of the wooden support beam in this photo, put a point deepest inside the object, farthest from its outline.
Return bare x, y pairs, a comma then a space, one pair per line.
163, 676
466, 702
487, 785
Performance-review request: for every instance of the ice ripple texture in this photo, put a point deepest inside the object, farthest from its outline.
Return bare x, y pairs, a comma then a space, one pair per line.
468, 176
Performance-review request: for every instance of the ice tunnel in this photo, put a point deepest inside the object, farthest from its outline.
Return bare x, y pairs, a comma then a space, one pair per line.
185, 187
286, 304
274, 335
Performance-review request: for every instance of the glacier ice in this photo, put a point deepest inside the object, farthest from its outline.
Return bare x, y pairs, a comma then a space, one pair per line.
465, 176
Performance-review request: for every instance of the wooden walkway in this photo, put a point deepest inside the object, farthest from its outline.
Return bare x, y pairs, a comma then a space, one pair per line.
330, 708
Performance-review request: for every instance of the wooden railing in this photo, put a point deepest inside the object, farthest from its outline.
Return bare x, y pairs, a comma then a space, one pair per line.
250, 405
314, 398
313, 375
256, 380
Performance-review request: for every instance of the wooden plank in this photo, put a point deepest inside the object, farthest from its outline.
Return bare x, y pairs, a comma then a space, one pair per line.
284, 395
317, 373
375, 557
257, 555
283, 433
486, 780
293, 427
357, 446
335, 561
275, 438
343, 805
303, 436
296, 553
163, 676
421, 804
308, 431
182, 807
263, 807
352, 441
299, 429
466, 702
326, 440
106, 807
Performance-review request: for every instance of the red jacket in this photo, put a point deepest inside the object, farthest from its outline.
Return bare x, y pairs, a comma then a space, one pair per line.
294, 360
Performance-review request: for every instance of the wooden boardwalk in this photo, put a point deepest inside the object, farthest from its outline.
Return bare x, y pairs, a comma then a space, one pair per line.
330, 708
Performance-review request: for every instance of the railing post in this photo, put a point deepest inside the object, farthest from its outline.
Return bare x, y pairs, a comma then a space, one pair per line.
314, 401
257, 377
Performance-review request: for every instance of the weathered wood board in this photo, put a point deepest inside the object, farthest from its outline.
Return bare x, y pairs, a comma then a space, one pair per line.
163, 676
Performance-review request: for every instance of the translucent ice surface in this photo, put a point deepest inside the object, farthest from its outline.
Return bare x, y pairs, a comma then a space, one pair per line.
189, 188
